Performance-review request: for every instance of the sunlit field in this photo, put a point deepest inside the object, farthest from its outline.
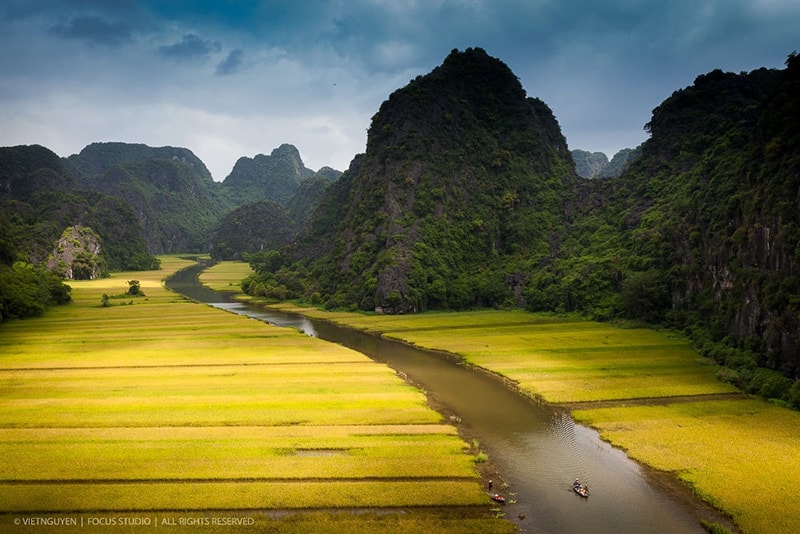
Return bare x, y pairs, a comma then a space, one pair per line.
164, 409
225, 275
559, 360
739, 455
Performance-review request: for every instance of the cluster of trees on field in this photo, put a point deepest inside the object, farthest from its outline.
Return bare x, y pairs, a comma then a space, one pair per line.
25, 289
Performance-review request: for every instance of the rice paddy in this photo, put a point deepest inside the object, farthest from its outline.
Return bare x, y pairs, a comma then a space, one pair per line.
559, 360
647, 392
164, 409
226, 275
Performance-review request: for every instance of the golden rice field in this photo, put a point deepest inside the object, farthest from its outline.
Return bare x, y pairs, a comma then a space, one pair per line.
165, 412
740, 455
226, 275
562, 361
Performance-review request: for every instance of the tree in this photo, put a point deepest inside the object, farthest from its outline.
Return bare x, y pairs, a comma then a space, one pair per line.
135, 288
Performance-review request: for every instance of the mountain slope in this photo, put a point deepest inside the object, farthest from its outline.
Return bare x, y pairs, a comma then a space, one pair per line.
41, 200
254, 227
275, 177
589, 164
464, 177
704, 227
170, 190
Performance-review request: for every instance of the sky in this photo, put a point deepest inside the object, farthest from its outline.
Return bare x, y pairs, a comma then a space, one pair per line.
233, 78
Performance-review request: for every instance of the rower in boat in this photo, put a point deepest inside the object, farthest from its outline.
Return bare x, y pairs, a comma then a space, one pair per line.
580, 489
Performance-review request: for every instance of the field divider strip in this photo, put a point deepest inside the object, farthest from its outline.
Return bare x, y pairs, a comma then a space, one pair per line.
181, 366
271, 480
478, 509
652, 401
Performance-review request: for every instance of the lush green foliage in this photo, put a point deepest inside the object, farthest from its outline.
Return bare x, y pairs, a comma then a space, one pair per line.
701, 233
463, 177
25, 290
251, 228
176, 208
36, 211
276, 177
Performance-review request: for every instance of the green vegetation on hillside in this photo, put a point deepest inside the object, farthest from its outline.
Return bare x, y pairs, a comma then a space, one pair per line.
466, 197
253, 227
141, 200
461, 187
276, 177
40, 199
702, 233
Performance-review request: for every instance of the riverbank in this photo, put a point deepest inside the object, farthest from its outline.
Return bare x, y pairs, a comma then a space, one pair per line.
154, 411
734, 454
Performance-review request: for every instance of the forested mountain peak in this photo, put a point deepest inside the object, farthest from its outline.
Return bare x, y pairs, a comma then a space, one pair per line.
274, 177
711, 216
462, 172
26, 169
96, 158
596, 165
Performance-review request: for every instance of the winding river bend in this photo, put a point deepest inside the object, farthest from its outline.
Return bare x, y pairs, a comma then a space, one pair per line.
536, 449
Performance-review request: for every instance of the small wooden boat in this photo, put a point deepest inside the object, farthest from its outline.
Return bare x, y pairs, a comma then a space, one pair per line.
498, 498
583, 491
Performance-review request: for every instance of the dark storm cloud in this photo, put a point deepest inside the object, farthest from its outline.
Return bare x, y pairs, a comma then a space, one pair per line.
190, 47
230, 64
313, 72
94, 30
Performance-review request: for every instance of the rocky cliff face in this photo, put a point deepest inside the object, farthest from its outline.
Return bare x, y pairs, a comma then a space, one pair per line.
715, 200
77, 255
462, 172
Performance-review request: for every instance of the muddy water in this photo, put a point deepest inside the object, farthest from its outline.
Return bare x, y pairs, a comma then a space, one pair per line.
537, 450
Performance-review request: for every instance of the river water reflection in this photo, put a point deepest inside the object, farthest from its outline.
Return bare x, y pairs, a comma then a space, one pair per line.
537, 449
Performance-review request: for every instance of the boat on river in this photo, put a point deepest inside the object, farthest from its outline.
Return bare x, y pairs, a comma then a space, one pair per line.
498, 498
580, 489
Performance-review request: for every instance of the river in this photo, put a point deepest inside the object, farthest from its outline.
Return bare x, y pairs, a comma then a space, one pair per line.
535, 449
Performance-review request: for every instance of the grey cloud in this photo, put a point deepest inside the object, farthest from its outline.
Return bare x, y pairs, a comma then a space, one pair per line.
94, 30
230, 64
190, 47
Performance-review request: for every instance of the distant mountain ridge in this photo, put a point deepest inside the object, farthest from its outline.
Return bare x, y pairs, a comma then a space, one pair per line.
596, 164
285, 167
165, 199
95, 159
